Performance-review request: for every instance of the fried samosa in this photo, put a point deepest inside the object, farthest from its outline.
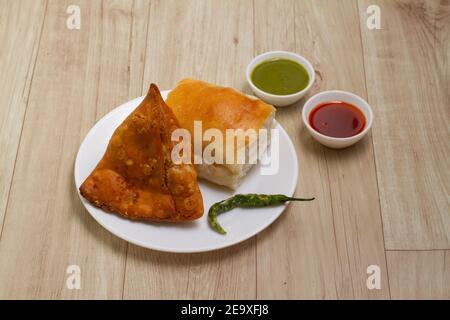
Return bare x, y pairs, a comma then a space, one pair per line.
220, 108
136, 177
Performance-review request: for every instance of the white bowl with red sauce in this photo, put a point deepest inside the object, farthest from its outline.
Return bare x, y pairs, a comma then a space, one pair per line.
337, 119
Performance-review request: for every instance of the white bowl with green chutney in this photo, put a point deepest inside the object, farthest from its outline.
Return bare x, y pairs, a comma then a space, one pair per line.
280, 78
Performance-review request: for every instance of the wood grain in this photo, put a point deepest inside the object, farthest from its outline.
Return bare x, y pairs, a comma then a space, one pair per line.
212, 41
419, 274
20, 32
391, 190
407, 67
325, 246
46, 227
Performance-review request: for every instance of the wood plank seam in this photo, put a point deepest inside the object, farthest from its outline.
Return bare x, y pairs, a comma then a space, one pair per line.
142, 85
341, 268
414, 33
333, 201
28, 89
334, 223
125, 270
100, 65
256, 236
416, 250
373, 150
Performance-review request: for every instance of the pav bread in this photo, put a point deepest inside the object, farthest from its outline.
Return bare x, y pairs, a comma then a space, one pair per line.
220, 108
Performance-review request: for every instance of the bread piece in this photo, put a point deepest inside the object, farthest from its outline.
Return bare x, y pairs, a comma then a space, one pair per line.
221, 108
136, 177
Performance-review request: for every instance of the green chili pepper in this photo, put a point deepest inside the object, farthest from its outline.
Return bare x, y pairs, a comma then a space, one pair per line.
245, 201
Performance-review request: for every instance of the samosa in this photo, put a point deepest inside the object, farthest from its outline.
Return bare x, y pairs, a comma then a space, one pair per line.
136, 177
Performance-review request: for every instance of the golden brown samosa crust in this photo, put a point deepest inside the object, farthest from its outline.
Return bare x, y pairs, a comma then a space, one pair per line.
136, 177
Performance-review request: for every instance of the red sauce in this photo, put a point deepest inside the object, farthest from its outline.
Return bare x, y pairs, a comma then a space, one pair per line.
337, 119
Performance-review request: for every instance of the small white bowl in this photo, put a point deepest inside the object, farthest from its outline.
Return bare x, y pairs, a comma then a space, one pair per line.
336, 95
274, 99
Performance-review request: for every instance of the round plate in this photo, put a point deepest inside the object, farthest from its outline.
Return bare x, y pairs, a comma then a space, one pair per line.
194, 236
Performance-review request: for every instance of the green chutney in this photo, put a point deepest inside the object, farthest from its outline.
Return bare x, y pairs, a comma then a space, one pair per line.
280, 76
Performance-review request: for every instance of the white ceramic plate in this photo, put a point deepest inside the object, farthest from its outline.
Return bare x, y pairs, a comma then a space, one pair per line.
195, 236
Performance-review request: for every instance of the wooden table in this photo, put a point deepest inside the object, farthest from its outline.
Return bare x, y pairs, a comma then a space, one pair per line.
383, 202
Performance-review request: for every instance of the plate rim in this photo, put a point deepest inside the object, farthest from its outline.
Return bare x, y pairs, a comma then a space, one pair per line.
142, 244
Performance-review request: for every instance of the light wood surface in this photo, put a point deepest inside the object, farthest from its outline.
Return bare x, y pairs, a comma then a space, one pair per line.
17, 60
419, 274
408, 84
384, 201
